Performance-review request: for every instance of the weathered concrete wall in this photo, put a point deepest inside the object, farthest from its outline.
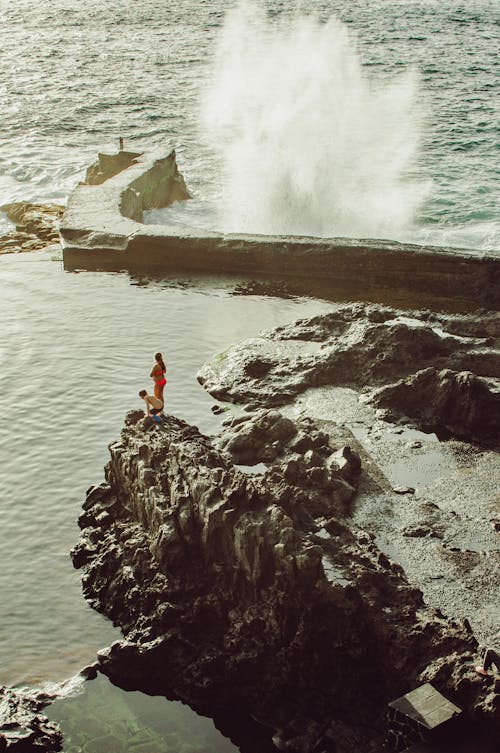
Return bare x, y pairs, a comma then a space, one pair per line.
101, 217
102, 230
108, 165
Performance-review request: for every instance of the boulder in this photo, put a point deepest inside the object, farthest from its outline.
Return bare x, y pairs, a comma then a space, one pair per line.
463, 404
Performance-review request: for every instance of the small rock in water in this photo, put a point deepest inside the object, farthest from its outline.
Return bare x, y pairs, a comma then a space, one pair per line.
403, 489
217, 409
495, 522
417, 531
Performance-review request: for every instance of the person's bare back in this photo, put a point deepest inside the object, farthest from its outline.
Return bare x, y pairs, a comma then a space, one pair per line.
153, 404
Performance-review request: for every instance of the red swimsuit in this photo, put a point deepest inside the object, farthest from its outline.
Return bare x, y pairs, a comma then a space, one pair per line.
161, 382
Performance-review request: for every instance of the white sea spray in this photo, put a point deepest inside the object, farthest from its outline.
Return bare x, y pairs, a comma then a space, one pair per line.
309, 143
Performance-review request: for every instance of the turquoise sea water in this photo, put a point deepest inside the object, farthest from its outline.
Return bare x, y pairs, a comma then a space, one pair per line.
75, 76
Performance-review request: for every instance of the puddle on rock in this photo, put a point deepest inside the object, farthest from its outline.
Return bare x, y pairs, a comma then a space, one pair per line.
257, 470
322, 534
408, 457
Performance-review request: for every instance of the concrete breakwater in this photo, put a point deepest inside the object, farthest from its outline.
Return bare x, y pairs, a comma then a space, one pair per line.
102, 229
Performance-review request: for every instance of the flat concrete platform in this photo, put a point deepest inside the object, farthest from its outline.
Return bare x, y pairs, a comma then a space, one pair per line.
426, 706
102, 230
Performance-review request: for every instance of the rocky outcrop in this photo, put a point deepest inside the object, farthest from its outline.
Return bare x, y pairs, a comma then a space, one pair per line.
253, 595
23, 728
37, 226
441, 371
461, 403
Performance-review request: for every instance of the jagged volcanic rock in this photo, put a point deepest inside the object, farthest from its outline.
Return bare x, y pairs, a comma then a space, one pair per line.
416, 361
255, 595
23, 728
465, 405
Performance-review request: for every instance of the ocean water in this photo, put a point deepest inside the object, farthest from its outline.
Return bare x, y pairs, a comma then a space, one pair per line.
378, 118
75, 350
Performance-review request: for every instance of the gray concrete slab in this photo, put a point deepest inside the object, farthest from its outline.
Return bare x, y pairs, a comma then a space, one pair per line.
426, 706
101, 229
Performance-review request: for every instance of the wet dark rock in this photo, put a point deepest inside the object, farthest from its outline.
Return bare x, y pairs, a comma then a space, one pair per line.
465, 405
441, 372
254, 594
257, 438
23, 728
403, 489
90, 671
218, 409
420, 530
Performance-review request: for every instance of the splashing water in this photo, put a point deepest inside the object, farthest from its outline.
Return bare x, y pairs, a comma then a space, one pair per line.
308, 144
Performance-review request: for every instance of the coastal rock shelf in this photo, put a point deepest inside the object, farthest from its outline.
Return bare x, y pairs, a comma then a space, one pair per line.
37, 227
102, 229
253, 595
441, 372
23, 726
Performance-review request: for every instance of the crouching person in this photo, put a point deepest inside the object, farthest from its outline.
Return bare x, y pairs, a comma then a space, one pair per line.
154, 409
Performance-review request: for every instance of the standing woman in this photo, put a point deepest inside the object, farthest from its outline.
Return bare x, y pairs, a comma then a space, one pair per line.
158, 375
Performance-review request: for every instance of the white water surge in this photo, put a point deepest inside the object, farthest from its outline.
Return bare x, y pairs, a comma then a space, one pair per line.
309, 144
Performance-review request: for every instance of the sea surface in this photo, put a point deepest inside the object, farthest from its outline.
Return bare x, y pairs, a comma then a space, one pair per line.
75, 350
373, 119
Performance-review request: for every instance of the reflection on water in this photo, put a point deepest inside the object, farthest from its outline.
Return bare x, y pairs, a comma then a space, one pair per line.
75, 350
105, 719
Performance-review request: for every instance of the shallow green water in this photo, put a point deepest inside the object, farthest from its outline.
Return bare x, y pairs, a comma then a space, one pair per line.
104, 719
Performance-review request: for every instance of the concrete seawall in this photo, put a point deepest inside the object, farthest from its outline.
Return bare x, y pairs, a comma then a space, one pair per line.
102, 230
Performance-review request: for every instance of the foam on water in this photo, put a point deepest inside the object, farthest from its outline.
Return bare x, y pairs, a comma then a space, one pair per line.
348, 161
310, 144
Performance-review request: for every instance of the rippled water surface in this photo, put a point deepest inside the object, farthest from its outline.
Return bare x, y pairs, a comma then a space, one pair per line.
75, 351
75, 76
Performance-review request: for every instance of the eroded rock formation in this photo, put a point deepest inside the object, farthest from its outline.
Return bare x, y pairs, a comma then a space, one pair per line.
23, 728
254, 594
440, 371
37, 226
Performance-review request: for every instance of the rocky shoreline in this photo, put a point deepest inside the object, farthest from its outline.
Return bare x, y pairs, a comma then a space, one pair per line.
279, 577
255, 594
37, 227
237, 567
440, 372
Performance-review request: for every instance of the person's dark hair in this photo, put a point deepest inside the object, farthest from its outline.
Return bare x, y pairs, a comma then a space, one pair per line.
142, 393
159, 360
